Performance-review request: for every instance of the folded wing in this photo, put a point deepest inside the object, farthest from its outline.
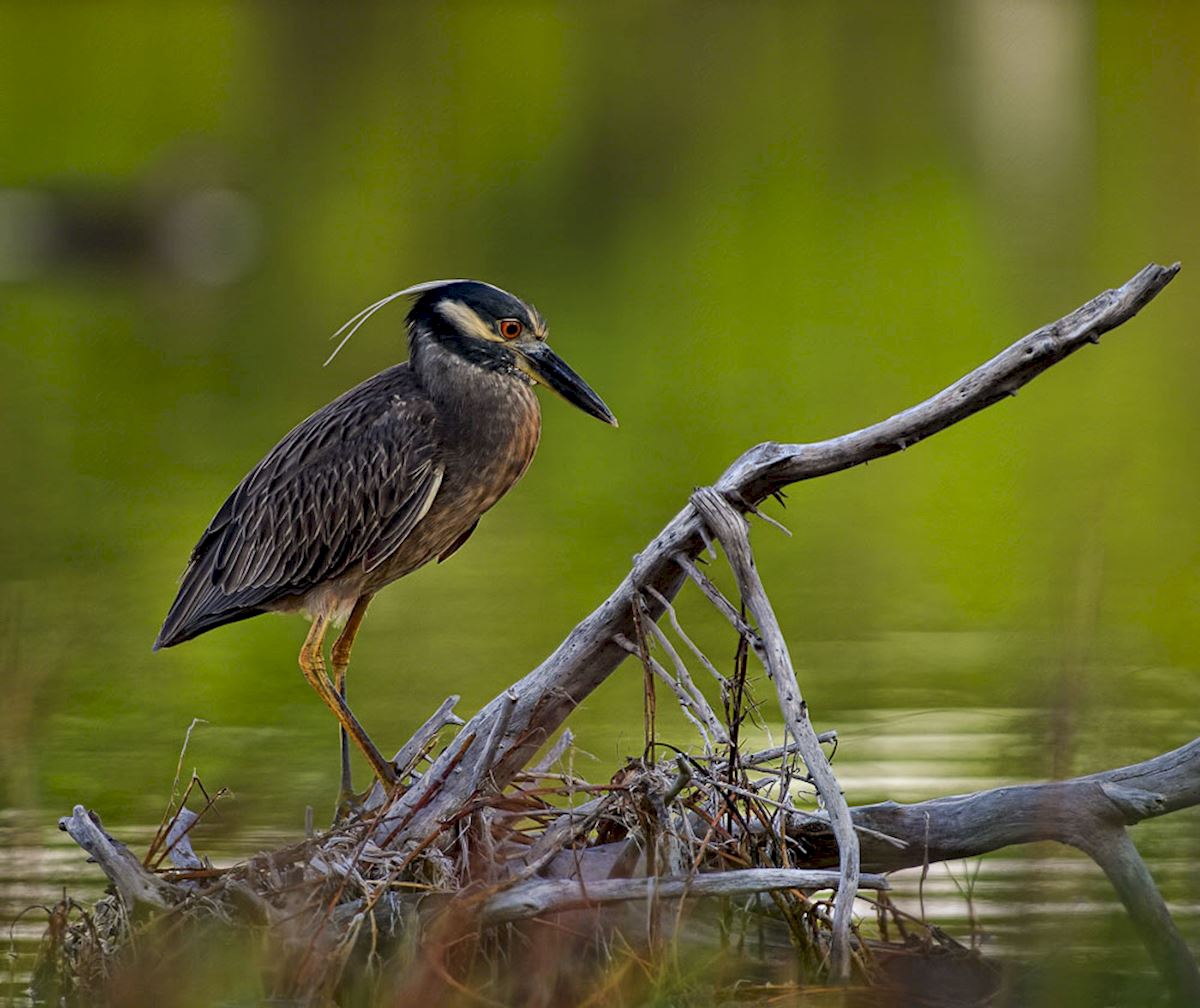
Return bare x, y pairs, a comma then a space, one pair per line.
344, 488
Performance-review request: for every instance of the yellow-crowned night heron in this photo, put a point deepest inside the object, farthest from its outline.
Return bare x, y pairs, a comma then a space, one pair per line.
390, 475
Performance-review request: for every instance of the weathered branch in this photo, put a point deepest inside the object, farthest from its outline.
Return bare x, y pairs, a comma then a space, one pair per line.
1090, 813
1114, 851
692, 702
532, 899
669, 818
548, 694
730, 528
962, 826
554, 753
417, 746
136, 886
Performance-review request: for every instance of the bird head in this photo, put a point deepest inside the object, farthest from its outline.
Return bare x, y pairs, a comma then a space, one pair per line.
490, 328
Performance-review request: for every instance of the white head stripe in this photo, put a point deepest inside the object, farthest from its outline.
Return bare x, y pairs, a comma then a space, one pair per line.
466, 319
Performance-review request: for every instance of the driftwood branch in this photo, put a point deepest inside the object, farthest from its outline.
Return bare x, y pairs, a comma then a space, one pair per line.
1090, 813
1114, 851
963, 826
548, 694
730, 528
418, 745
691, 701
712, 723
136, 886
556, 752
468, 822
533, 899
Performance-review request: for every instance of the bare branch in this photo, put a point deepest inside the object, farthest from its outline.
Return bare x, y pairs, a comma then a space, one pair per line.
678, 628
713, 594
769, 467
135, 885
178, 844
1114, 851
422, 739
776, 752
730, 528
548, 694
695, 699
555, 752
532, 899
1089, 813
962, 826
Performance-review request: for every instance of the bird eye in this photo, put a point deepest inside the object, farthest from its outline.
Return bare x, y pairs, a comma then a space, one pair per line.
511, 328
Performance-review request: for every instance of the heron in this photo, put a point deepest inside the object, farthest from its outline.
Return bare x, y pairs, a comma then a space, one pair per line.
389, 476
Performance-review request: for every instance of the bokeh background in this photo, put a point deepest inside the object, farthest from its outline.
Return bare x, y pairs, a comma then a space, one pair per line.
744, 222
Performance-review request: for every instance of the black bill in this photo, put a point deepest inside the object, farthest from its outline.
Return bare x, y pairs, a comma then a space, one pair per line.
544, 365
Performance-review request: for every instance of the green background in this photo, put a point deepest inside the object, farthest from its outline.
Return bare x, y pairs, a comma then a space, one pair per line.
743, 222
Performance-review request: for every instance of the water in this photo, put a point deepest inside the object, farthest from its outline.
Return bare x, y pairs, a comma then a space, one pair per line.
764, 222
1044, 909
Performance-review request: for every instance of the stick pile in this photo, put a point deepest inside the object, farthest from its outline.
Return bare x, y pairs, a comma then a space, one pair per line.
448, 872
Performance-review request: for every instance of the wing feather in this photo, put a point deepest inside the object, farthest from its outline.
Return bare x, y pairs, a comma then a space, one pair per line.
345, 487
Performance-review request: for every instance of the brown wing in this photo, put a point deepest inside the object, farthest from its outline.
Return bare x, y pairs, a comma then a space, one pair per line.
345, 487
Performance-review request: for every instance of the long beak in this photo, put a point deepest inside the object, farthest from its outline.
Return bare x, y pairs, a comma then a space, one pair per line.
542, 364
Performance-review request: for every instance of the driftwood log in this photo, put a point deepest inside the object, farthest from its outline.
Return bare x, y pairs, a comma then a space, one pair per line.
547, 695
590, 653
469, 788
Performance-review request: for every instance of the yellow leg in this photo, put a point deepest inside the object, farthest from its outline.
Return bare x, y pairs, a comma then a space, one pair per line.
340, 659
312, 664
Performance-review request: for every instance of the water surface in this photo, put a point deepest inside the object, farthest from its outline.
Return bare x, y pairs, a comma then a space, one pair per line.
744, 223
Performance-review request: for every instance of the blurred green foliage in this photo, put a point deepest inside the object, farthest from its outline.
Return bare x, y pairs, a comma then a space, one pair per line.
743, 221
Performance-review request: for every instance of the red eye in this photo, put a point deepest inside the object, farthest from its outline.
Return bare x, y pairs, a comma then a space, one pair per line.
510, 328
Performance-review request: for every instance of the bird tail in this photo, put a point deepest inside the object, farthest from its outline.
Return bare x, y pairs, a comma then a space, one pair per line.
201, 606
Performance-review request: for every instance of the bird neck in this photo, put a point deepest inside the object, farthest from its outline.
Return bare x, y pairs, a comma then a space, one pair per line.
430, 341
468, 391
